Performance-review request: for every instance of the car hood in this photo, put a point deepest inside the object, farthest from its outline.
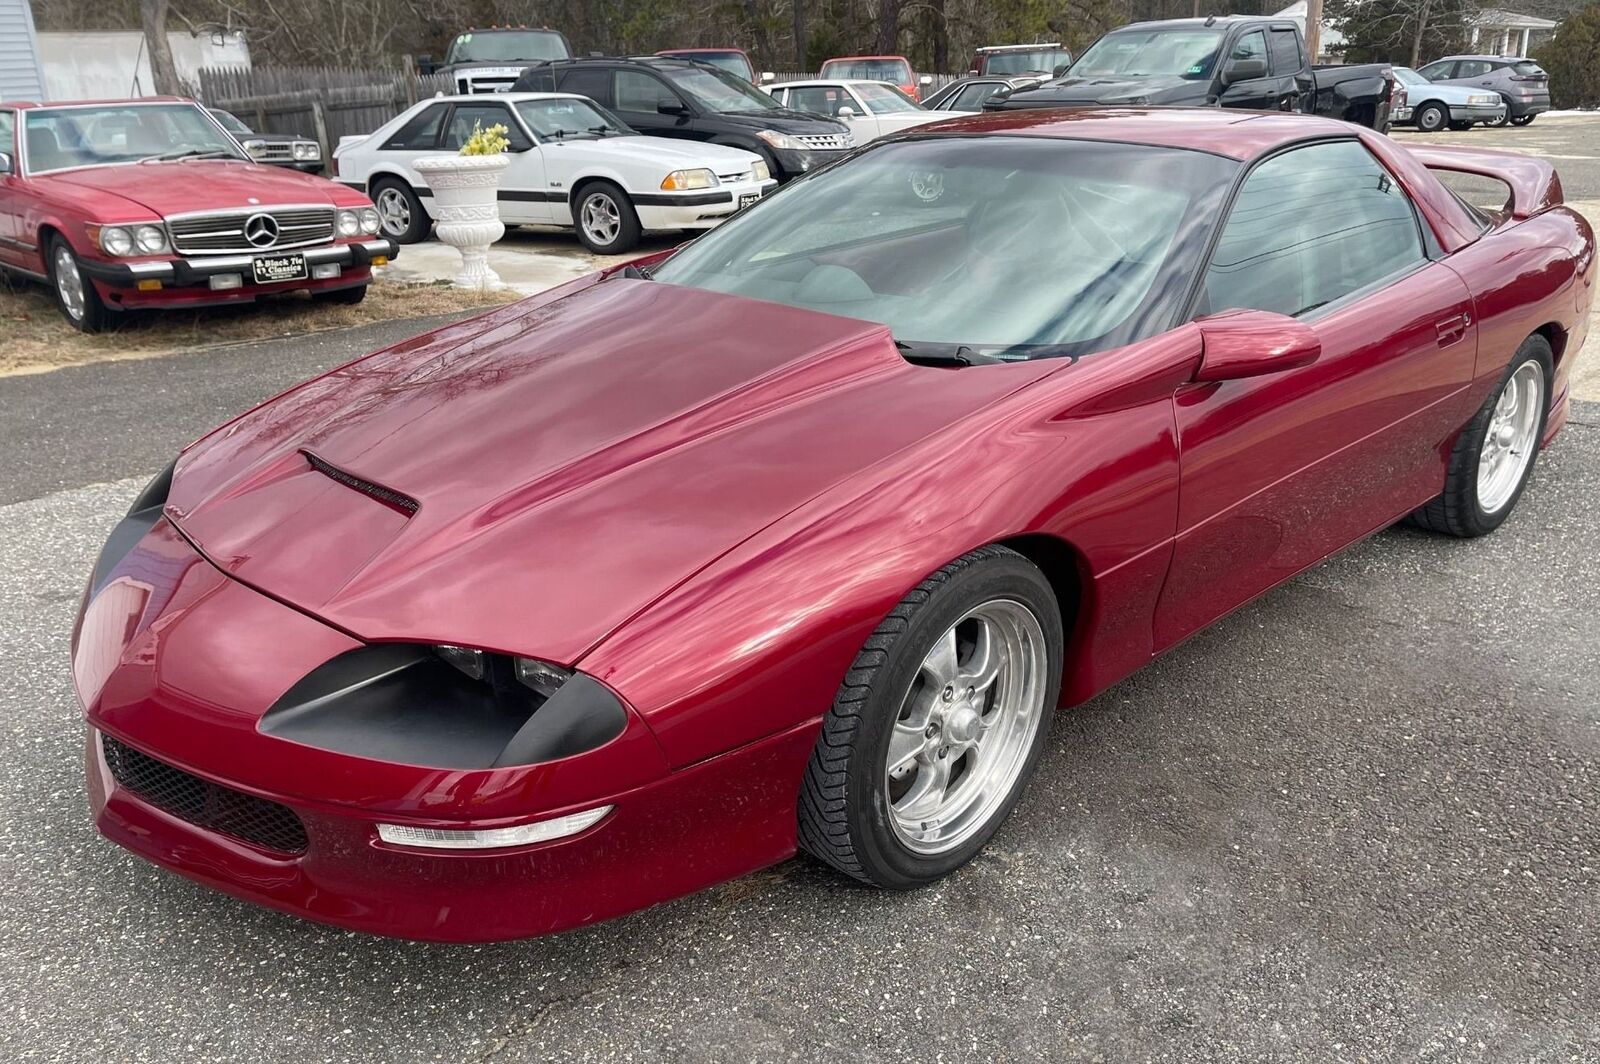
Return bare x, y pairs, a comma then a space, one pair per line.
530, 486
784, 121
202, 185
1071, 90
663, 153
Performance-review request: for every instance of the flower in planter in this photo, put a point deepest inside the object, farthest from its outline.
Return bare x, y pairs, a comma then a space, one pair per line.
491, 141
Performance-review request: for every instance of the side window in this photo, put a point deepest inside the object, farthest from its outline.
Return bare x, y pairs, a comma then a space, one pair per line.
469, 115
1472, 68
971, 98
1252, 45
820, 100
640, 92
1285, 47
587, 81
8, 128
1436, 71
422, 132
1309, 227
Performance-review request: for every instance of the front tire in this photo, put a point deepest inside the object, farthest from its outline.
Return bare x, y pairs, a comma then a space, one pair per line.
937, 725
1494, 456
75, 294
1431, 118
605, 219
401, 214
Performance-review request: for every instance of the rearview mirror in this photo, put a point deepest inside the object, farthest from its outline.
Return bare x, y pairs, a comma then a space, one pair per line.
1243, 70
1251, 343
7, 166
670, 107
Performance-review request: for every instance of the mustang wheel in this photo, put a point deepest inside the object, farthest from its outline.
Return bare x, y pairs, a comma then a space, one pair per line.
607, 223
74, 292
937, 725
400, 212
1494, 456
1431, 117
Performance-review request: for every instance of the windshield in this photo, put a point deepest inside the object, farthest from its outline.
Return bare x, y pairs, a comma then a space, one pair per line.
1043, 61
733, 62
718, 91
232, 124
122, 133
507, 46
1144, 53
1407, 76
896, 71
563, 119
886, 99
1010, 247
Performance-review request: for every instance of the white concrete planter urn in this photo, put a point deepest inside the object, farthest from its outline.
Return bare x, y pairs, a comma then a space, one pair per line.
466, 211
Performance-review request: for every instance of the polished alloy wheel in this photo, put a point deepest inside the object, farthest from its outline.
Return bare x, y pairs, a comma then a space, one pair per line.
601, 219
1512, 437
394, 211
966, 725
69, 283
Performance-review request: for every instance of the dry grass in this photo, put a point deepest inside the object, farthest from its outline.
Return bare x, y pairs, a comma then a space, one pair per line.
37, 338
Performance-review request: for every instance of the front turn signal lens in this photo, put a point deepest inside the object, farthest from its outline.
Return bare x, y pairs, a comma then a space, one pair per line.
492, 838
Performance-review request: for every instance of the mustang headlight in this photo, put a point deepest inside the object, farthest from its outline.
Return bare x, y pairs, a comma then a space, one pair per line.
684, 180
370, 220
306, 150
116, 240
152, 239
781, 140
759, 171
349, 223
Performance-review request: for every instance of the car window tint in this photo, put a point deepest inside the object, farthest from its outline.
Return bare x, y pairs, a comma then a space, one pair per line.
421, 133
1435, 71
640, 92
1472, 68
1285, 46
1252, 45
595, 84
1309, 227
1527, 68
820, 100
971, 98
469, 116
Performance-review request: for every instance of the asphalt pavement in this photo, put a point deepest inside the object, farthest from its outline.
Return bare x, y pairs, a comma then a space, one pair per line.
1356, 821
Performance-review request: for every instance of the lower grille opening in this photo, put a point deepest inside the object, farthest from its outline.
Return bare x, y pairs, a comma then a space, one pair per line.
204, 804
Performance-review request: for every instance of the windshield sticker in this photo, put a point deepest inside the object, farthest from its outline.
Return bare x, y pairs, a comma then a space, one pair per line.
1198, 68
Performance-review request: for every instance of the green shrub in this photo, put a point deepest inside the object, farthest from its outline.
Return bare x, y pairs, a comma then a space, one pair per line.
1572, 59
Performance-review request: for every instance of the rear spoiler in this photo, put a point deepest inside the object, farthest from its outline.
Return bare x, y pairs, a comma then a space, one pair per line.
1535, 185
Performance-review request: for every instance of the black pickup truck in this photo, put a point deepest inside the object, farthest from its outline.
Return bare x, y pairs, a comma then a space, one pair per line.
1229, 61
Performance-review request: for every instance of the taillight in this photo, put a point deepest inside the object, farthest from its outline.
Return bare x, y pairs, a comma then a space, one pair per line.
1399, 99
333, 166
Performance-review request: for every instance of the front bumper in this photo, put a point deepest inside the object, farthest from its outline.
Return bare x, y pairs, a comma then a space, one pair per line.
794, 162
698, 210
199, 270
180, 663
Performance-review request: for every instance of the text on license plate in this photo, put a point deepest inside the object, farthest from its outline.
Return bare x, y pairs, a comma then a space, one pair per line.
273, 269
747, 199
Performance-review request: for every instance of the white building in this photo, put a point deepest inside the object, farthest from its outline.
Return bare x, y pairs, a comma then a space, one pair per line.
21, 71
1497, 32
95, 65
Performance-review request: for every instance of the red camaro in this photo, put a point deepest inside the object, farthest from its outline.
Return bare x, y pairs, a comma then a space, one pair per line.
130, 204
798, 535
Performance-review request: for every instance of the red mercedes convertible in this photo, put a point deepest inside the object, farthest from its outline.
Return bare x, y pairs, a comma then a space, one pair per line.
798, 535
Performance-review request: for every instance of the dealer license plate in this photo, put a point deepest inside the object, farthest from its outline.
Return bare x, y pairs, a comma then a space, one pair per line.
275, 269
747, 199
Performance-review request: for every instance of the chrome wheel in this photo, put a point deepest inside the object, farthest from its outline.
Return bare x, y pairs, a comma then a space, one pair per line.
1512, 437
394, 211
69, 283
966, 725
601, 219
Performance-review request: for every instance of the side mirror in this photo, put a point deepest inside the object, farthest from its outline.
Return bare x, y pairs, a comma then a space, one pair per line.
426, 65
847, 112
7, 164
925, 80
1059, 70
768, 77
1243, 70
671, 107
1252, 343
255, 148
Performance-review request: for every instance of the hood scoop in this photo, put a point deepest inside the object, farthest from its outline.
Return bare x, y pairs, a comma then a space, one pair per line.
388, 496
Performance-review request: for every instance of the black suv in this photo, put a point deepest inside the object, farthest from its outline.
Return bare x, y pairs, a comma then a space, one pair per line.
666, 97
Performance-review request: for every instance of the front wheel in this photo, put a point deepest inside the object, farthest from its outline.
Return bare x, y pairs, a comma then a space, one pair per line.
606, 221
1523, 120
937, 725
1431, 118
1493, 458
400, 211
75, 294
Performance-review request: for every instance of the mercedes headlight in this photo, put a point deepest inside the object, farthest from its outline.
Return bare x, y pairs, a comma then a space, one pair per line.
370, 220
684, 180
152, 239
116, 240
349, 223
781, 140
759, 171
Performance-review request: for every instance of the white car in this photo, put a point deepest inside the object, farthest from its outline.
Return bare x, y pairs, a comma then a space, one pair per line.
872, 109
573, 163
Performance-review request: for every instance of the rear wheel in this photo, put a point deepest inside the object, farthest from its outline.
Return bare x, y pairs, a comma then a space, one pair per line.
1496, 123
400, 211
606, 221
938, 724
1523, 120
75, 294
1431, 117
1493, 458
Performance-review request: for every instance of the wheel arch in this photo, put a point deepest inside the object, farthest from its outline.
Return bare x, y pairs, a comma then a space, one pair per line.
388, 170
1556, 337
1067, 570
590, 177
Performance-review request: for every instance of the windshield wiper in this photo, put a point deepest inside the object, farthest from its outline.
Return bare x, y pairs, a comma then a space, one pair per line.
188, 153
942, 354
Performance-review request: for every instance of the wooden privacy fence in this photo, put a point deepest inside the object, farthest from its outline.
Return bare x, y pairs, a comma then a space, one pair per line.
327, 103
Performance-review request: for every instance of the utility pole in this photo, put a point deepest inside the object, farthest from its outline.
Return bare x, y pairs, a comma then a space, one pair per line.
1313, 28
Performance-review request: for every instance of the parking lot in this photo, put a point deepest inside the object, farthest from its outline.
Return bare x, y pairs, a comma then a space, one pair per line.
1357, 820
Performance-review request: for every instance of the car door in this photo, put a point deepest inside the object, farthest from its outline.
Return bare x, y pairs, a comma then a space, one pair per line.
1280, 470
639, 96
523, 184
1254, 93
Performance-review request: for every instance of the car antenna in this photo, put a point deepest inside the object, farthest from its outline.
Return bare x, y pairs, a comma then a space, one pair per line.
1211, 20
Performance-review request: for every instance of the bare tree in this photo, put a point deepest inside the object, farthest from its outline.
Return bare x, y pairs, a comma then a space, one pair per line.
153, 17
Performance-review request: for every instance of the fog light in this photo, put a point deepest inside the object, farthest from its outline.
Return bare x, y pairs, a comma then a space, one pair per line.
220, 281
493, 838
322, 271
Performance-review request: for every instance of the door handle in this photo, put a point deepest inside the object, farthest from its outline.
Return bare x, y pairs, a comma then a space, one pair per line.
1452, 329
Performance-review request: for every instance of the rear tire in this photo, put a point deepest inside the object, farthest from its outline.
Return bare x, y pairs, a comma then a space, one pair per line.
1503, 120
1431, 118
401, 214
937, 725
1523, 120
1476, 500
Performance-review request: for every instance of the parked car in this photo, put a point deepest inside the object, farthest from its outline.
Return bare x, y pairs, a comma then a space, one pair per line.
872, 109
1049, 60
1521, 82
686, 100
634, 587
275, 149
970, 94
1431, 107
134, 204
572, 164
733, 60
491, 60
1232, 61
894, 69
